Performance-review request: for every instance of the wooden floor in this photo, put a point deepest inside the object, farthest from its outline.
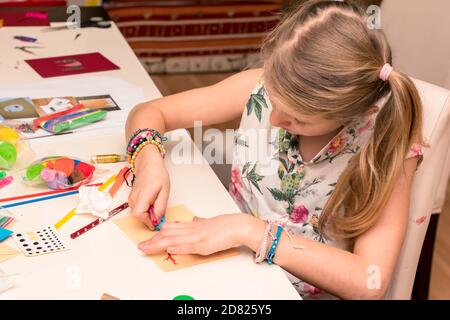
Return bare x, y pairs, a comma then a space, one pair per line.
440, 277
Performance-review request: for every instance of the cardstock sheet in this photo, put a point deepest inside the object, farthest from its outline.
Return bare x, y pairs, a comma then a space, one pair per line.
35, 243
4, 233
24, 19
17, 108
73, 64
138, 232
6, 252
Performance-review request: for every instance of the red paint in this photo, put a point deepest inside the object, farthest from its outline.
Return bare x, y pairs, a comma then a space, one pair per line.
170, 258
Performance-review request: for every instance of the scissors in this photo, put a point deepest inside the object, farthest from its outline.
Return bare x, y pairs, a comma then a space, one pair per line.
94, 22
25, 49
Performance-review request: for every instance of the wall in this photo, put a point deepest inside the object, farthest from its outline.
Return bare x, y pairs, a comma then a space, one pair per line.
419, 33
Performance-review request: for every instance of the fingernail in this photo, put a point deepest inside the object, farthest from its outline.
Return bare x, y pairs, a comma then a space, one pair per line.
152, 216
142, 246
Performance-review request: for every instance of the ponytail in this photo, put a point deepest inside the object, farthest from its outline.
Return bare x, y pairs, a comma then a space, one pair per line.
365, 186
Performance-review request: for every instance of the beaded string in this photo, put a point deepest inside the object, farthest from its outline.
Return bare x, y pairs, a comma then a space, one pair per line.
262, 251
140, 139
294, 246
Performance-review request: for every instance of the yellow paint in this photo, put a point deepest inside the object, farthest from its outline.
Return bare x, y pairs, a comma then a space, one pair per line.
9, 135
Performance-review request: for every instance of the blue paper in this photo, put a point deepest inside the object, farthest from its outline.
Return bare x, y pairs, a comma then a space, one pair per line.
4, 233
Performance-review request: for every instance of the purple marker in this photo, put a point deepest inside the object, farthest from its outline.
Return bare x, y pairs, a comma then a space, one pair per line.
25, 39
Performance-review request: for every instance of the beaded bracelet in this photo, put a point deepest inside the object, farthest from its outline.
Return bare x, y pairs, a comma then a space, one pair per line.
274, 245
132, 159
140, 136
139, 140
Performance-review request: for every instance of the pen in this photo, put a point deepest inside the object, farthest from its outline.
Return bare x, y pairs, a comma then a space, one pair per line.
5, 181
25, 39
96, 222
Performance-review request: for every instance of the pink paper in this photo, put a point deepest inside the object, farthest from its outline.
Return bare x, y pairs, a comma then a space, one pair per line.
24, 19
74, 64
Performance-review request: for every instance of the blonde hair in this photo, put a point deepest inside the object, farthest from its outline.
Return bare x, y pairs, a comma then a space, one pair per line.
323, 59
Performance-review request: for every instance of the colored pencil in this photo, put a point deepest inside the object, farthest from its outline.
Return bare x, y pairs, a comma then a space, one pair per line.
45, 193
71, 213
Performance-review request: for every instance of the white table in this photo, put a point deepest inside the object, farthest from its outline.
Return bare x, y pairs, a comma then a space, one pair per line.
104, 260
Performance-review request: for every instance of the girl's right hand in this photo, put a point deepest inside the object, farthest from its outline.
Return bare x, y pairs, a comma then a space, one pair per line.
151, 186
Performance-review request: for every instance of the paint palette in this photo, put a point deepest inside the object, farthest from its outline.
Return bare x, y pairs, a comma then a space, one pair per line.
35, 243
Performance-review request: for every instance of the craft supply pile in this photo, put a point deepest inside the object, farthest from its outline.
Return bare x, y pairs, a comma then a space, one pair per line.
27, 179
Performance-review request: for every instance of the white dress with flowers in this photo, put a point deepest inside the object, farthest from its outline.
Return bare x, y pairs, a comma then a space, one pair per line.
270, 180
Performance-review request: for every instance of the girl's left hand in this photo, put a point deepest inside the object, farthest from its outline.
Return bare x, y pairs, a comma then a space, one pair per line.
201, 236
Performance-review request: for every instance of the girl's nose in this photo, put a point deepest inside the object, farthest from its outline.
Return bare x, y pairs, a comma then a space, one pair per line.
277, 119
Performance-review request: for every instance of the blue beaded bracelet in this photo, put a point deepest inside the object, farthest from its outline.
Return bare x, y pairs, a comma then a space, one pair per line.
274, 246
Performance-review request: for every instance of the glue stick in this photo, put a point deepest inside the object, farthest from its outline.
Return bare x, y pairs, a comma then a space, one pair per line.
108, 158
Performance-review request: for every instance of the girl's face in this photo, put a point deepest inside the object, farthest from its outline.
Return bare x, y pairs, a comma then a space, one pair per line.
287, 118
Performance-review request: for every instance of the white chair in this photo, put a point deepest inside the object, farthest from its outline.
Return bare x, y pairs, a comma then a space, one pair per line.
430, 182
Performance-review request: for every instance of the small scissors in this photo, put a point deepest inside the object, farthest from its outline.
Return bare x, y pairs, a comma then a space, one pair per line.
25, 49
94, 22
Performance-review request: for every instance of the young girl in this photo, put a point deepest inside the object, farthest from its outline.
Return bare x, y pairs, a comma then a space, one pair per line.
333, 212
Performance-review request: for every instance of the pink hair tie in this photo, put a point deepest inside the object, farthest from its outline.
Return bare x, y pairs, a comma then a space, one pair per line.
386, 72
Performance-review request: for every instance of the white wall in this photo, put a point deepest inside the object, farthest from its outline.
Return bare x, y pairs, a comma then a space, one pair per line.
419, 33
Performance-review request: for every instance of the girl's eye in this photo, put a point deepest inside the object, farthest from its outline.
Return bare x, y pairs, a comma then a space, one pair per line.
299, 122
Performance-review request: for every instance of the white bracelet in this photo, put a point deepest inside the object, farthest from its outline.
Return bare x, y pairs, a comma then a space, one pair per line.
260, 255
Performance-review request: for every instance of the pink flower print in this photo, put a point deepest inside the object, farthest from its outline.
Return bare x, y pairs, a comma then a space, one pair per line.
336, 144
415, 150
366, 126
236, 184
299, 214
310, 290
420, 220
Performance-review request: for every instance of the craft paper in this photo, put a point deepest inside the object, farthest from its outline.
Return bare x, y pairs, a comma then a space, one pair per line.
94, 201
17, 108
50, 105
24, 19
73, 64
35, 243
104, 102
138, 232
106, 296
125, 95
4, 233
7, 252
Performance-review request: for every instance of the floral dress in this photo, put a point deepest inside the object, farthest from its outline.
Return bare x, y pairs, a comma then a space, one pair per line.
270, 180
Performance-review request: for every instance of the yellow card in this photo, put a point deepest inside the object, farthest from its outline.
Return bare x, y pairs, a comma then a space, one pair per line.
7, 252
138, 232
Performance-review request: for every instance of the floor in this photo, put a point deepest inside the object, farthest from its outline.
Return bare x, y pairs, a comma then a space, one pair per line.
440, 277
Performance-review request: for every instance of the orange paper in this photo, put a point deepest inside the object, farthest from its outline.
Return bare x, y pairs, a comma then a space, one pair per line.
138, 232
6, 252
